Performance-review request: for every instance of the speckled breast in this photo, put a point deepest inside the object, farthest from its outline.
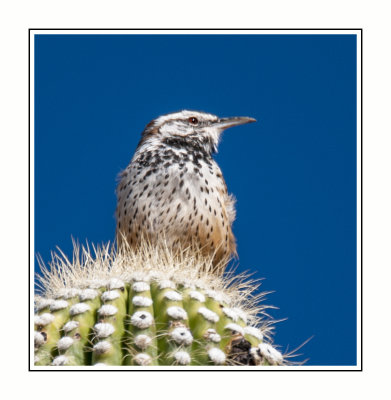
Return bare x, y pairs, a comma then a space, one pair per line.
177, 196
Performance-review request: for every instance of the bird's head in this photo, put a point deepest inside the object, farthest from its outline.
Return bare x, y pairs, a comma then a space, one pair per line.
191, 129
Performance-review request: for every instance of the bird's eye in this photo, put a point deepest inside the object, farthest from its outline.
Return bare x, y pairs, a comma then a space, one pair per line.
193, 120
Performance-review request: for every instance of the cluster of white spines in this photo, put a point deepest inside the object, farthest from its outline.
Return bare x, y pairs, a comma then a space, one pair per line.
206, 321
141, 322
109, 321
52, 313
173, 314
75, 310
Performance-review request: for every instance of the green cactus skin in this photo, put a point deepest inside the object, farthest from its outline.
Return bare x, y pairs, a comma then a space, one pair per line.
147, 316
141, 335
82, 317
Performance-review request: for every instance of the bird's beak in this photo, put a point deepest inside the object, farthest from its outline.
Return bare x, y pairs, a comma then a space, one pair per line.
224, 123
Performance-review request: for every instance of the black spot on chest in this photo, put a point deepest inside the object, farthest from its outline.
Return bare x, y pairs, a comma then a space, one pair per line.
192, 146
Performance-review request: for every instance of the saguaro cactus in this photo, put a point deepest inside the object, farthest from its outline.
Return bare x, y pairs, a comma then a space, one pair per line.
148, 307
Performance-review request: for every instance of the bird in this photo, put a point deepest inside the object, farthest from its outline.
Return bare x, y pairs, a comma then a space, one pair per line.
174, 190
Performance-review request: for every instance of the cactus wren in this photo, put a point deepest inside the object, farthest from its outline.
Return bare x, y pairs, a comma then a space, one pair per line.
173, 188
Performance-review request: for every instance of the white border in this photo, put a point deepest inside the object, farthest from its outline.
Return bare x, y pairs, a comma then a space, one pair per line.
199, 32
359, 204
31, 196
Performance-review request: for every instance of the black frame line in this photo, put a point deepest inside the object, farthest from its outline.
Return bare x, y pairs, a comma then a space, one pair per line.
168, 369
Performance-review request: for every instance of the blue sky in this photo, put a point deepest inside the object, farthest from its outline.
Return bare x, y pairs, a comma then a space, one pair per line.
293, 172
